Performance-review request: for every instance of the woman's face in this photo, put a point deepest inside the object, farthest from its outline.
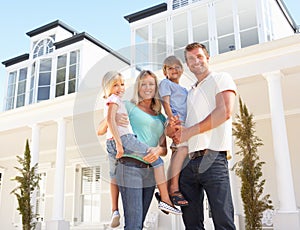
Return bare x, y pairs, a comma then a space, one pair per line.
147, 87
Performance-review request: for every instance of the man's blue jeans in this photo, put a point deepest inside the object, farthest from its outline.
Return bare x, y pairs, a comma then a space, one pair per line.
136, 186
207, 173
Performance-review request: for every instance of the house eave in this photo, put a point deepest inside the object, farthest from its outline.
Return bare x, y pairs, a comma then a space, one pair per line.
146, 13
15, 60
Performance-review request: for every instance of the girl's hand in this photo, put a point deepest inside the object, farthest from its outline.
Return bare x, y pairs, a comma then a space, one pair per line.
122, 119
120, 151
153, 154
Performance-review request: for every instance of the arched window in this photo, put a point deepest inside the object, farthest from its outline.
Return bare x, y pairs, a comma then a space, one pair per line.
43, 47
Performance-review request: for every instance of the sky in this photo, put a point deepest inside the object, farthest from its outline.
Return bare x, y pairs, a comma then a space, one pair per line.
103, 21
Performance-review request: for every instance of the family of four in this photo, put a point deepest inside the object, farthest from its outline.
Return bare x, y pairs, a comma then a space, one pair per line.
199, 123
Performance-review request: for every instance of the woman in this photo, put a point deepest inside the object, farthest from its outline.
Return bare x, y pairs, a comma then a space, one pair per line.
134, 176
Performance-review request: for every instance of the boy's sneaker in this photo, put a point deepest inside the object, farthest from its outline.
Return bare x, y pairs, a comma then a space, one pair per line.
115, 219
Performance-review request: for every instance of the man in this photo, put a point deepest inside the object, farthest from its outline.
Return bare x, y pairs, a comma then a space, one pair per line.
208, 129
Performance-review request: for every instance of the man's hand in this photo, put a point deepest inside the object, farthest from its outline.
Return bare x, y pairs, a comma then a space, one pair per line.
181, 135
170, 129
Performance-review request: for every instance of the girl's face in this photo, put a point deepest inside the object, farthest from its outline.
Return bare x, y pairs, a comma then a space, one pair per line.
147, 87
118, 88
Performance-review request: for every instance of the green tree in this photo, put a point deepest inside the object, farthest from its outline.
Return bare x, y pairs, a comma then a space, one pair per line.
249, 169
27, 181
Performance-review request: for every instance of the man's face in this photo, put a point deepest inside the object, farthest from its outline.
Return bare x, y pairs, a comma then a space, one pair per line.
197, 61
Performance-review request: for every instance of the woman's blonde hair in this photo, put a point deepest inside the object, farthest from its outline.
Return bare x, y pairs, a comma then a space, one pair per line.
155, 103
108, 80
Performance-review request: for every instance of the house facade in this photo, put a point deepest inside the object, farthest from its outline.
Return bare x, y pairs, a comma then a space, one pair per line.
53, 99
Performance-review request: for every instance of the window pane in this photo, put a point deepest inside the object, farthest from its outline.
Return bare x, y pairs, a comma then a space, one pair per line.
9, 103
72, 86
72, 73
43, 93
60, 90
12, 77
45, 65
44, 79
73, 57
11, 90
61, 61
180, 31
61, 75
20, 100
21, 87
23, 74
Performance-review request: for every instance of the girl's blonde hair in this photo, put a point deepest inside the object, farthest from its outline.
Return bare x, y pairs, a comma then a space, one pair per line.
155, 103
108, 80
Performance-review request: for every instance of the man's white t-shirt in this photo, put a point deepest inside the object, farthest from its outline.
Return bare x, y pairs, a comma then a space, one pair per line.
201, 101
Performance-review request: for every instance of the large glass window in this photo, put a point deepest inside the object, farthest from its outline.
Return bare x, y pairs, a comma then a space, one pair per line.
67, 73
247, 23
90, 194
159, 49
61, 75
21, 93
32, 83
180, 34
200, 25
73, 71
141, 56
11, 88
44, 79
225, 31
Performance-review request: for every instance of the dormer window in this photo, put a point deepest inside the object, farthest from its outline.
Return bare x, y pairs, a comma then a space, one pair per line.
43, 47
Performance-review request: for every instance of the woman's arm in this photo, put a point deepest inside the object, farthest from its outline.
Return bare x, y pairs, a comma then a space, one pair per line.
112, 125
102, 128
121, 120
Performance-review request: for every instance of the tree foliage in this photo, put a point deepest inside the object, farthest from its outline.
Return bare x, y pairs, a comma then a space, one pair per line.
27, 181
249, 169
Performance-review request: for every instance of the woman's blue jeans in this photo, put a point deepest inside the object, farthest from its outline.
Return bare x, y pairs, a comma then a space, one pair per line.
136, 186
207, 173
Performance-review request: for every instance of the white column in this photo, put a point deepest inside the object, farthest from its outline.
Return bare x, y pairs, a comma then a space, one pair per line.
57, 222
287, 212
35, 144
58, 205
34, 150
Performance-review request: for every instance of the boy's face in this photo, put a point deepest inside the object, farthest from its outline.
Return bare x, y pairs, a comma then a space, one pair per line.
173, 72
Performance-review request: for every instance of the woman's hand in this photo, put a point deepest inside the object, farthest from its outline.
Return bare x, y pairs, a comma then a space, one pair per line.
122, 119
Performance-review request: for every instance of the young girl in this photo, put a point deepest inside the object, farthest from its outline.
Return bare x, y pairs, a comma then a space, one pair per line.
173, 98
121, 140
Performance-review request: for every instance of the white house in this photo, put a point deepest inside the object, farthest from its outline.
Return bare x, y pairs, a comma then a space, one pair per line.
53, 98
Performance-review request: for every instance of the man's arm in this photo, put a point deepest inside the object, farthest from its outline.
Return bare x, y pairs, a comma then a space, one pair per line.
224, 108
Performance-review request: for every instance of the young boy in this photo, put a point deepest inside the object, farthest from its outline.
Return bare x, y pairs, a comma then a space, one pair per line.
173, 98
